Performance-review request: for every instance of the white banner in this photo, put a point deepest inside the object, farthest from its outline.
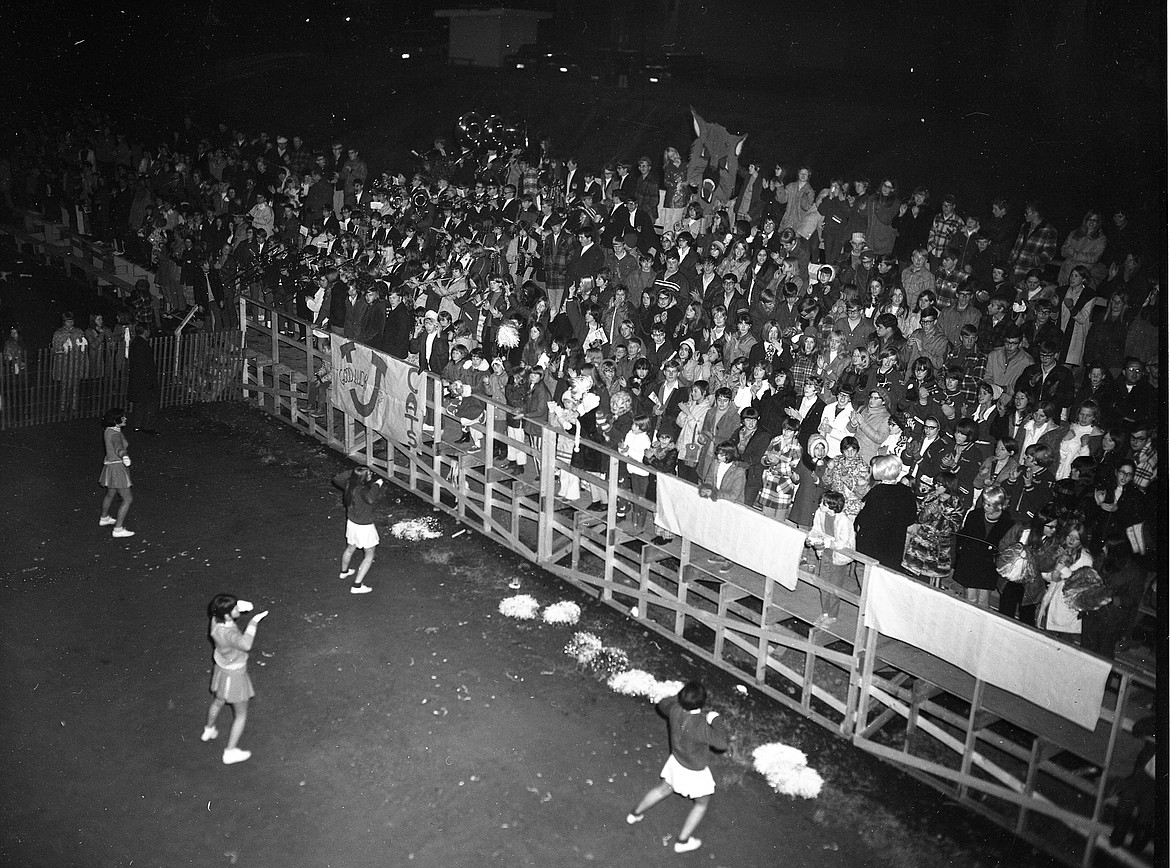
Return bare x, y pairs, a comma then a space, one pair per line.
1052, 674
380, 391
739, 534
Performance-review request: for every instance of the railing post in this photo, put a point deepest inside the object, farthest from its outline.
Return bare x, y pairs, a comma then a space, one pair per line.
548, 493
1099, 802
273, 333
971, 741
849, 722
489, 462
870, 652
435, 400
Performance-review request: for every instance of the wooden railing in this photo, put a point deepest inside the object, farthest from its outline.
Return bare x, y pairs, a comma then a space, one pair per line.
1035, 773
85, 383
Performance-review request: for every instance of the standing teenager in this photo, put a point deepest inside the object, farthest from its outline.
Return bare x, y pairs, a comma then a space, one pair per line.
230, 683
115, 474
692, 735
359, 494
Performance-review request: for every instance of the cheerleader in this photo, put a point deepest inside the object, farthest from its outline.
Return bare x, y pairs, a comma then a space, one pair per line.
115, 475
230, 683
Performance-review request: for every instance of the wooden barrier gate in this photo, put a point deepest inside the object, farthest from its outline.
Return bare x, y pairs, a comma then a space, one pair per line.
81, 384
1031, 771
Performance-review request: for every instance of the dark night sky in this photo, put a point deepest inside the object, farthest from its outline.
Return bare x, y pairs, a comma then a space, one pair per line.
1066, 37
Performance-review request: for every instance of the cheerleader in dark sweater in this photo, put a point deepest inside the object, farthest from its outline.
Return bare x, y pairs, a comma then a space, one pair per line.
692, 735
359, 493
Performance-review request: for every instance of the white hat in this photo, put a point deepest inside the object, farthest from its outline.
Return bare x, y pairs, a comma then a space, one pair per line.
858, 238
431, 315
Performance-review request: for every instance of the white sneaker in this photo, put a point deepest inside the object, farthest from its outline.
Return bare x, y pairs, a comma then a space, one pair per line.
122, 533
635, 818
209, 732
691, 843
107, 520
360, 589
345, 574
234, 755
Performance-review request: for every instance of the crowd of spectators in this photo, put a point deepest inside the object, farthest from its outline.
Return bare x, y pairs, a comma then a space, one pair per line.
799, 349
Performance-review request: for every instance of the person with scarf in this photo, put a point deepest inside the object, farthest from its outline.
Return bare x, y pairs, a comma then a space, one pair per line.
848, 474
871, 424
1077, 303
1057, 613
1082, 437
930, 541
811, 470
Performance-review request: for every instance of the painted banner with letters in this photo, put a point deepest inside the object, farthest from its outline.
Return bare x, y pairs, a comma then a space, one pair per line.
380, 391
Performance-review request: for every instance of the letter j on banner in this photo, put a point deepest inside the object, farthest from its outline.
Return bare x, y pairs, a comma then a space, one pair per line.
376, 390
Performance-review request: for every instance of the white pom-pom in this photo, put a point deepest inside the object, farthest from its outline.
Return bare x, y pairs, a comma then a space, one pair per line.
508, 336
786, 770
564, 612
638, 682
522, 606
583, 647
632, 682
663, 689
415, 529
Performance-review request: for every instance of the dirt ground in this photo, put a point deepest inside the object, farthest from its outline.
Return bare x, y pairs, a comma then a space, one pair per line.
414, 725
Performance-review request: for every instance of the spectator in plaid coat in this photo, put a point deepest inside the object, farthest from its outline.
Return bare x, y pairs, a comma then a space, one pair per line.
780, 478
946, 223
965, 354
1145, 454
1035, 245
557, 251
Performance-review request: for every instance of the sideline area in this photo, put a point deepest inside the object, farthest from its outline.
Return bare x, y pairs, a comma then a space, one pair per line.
109, 661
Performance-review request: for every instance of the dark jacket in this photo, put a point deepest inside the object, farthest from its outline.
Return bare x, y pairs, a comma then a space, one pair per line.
1057, 387
976, 549
142, 382
395, 337
886, 512
361, 498
439, 356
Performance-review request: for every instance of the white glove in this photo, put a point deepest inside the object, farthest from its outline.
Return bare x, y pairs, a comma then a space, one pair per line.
1019, 307
126, 460
711, 715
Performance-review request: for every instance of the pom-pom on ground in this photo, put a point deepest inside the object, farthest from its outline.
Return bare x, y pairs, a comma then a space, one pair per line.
786, 770
608, 662
564, 612
522, 606
415, 529
583, 647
